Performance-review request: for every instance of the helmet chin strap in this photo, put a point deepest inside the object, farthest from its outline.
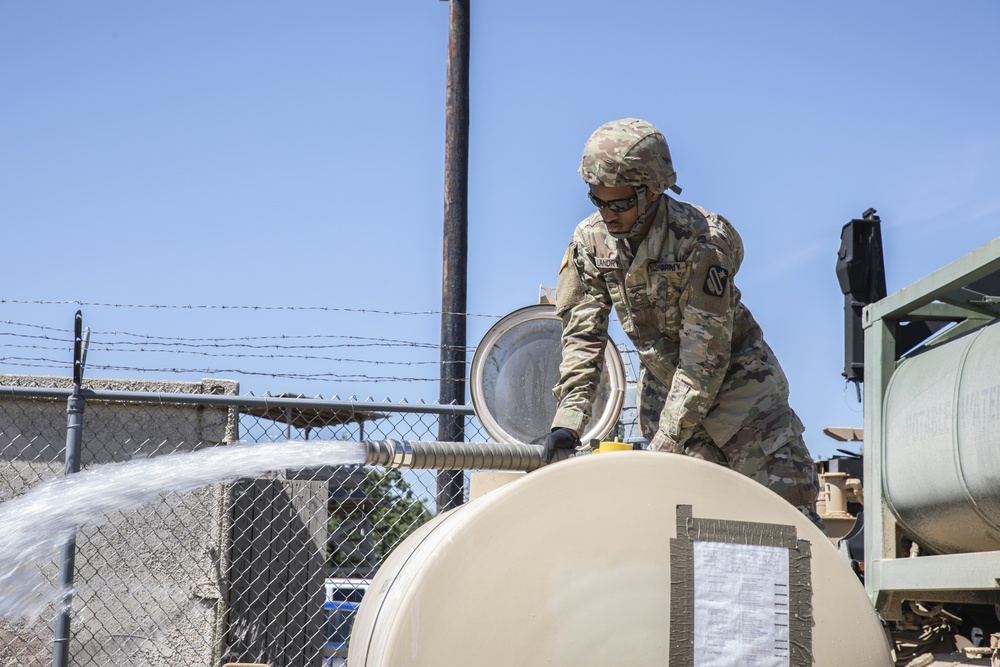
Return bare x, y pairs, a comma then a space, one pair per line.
640, 219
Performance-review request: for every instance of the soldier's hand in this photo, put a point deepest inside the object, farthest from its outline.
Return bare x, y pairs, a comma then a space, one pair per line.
559, 438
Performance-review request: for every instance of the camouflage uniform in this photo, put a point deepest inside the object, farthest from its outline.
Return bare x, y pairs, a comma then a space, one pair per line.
709, 385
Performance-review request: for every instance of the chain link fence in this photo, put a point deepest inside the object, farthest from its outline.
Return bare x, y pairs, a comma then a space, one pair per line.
266, 569
263, 569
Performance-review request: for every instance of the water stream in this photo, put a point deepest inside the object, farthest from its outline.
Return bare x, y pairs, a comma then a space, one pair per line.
35, 525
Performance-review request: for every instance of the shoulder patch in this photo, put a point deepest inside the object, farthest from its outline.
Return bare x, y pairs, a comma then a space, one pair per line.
565, 260
716, 279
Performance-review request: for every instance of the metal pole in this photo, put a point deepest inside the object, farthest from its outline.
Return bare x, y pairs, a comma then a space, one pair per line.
453, 302
74, 438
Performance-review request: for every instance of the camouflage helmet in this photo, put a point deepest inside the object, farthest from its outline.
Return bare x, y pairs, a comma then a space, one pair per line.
628, 152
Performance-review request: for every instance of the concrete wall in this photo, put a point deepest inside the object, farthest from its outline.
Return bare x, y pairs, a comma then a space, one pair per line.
148, 584
276, 591
114, 431
224, 572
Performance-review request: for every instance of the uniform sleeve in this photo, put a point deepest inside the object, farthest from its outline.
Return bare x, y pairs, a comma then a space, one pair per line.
708, 306
583, 303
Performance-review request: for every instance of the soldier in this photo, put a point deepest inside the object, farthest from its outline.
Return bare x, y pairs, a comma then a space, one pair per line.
709, 386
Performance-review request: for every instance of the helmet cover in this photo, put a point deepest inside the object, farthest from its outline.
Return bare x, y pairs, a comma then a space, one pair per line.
628, 152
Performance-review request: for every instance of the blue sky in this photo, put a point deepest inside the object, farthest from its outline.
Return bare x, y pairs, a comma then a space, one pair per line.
290, 156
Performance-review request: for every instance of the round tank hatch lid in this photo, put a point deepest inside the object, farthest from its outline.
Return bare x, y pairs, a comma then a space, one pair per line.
514, 369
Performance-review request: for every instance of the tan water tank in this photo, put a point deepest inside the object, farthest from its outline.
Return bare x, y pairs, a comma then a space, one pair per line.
630, 558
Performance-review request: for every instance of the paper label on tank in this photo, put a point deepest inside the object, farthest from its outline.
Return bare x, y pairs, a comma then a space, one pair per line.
740, 605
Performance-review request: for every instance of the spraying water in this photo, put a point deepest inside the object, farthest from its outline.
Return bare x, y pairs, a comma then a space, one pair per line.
34, 526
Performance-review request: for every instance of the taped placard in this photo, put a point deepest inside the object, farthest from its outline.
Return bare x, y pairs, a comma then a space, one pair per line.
740, 594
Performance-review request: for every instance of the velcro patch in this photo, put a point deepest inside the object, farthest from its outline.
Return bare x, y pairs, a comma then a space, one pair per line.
716, 280
565, 261
667, 267
606, 263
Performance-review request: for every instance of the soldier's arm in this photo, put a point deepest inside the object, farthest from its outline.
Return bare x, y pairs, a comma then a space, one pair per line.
583, 303
708, 306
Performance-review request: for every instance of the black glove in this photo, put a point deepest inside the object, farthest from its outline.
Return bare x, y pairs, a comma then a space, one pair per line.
559, 438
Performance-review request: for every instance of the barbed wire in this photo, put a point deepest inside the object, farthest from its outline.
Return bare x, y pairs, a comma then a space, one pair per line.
29, 362
249, 354
151, 306
179, 341
303, 357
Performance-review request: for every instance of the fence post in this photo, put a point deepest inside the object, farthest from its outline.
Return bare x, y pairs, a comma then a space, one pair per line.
74, 438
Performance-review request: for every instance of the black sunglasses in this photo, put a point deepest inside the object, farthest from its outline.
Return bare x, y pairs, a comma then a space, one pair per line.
616, 205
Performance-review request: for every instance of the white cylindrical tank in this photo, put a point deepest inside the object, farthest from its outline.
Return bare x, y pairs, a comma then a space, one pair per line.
628, 558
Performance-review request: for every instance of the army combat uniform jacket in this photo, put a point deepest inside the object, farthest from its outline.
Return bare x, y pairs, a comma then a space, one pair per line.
706, 373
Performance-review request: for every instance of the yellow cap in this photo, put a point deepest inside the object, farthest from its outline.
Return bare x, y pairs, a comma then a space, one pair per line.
614, 446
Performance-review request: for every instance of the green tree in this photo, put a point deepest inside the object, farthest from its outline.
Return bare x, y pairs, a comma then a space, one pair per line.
370, 527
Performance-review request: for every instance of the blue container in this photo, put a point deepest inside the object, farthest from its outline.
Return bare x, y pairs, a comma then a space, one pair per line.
339, 619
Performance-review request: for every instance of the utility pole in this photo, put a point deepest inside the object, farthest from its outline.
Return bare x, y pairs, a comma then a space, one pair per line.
451, 428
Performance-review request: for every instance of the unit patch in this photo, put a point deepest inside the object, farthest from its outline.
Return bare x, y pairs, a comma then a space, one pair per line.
716, 280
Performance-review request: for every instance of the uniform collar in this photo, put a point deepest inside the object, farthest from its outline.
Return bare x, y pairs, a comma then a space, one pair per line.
650, 247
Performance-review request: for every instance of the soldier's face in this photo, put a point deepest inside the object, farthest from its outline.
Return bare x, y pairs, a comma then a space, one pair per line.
617, 223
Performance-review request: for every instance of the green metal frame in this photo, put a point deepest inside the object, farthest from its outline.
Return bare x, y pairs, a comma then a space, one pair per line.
891, 577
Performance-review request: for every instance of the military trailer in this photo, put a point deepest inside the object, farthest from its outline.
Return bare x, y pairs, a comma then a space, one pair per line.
929, 546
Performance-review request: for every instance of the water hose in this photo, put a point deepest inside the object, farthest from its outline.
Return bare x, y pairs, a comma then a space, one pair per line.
434, 455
